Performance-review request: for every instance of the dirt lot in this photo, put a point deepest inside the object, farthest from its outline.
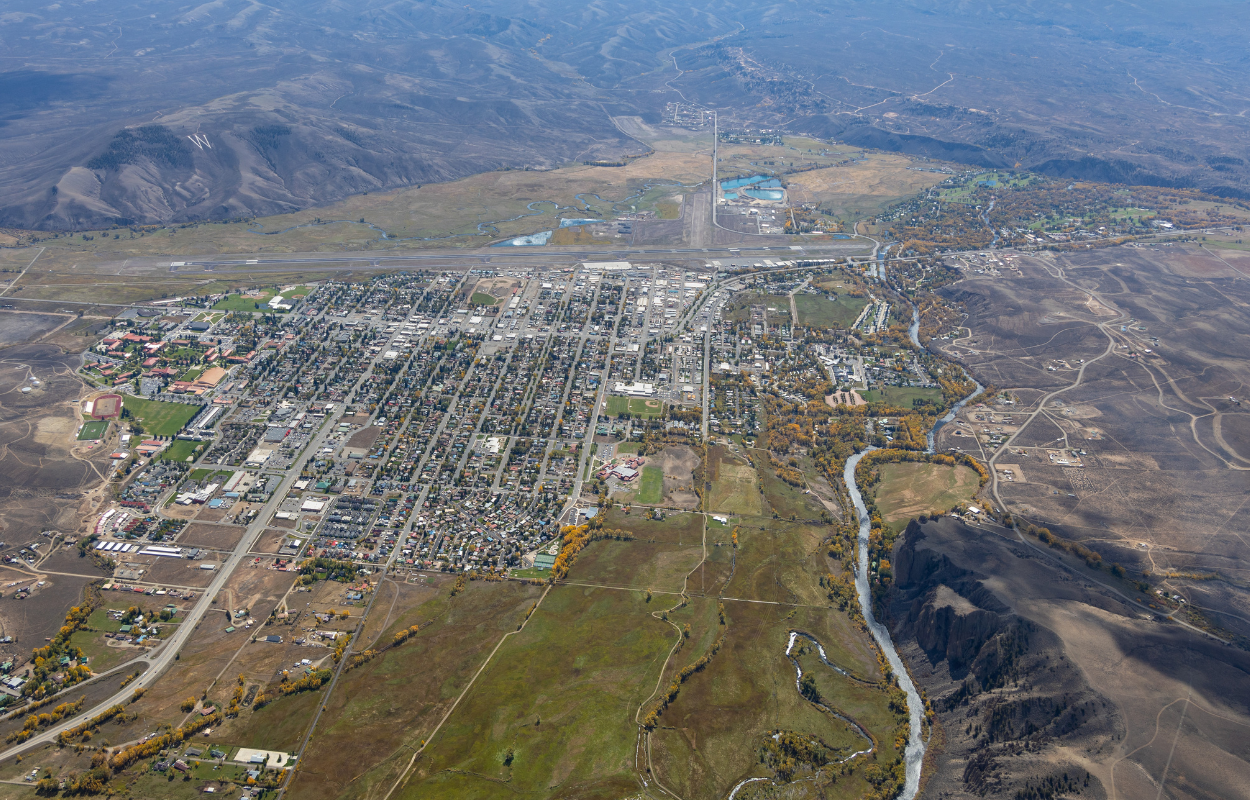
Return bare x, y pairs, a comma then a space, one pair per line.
179, 572
679, 464
364, 438
216, 537
269, 541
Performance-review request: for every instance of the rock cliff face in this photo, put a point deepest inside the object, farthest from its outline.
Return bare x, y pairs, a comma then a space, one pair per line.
1008, 705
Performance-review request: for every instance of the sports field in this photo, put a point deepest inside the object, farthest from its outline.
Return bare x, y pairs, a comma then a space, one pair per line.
482, 299
237, 302
157, 418
909, 489
651, 486
91, 431
638, 406
179, 451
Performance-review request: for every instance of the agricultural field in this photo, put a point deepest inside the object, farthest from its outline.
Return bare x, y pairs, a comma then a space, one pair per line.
822, 312
908, 490
158, 418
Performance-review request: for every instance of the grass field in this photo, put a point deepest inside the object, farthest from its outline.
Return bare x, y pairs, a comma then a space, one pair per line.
637, 406
157, 418
785, 500
398, 703
563, 708
901, 396
628, 448
237, 302
735, 486
711, 735
651, 486
482, 299
907, 490
92, 431
179, 450
819, 311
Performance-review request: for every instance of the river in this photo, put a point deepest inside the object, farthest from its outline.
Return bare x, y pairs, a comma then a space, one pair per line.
914, 333
913, 757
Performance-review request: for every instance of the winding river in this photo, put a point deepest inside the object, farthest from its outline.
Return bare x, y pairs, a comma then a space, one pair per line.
914, 332
913, 757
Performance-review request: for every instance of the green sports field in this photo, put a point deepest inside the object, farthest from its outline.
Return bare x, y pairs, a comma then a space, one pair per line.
92, 431
157, 418
638, 406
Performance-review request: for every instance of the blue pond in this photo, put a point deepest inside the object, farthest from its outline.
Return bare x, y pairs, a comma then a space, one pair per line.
571, 223
762, 180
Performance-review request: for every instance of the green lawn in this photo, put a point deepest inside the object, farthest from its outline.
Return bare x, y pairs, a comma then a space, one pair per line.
92, 431
651, 486
482, 299
819, 311
237, 302
179, 450
638, 406
192, 374
901, 396
628, 448
157, 418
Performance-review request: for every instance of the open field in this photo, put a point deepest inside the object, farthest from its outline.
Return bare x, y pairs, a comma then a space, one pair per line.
711, 736
778, 562
738, 308
482, 299
564, 710
786, 501
253, 304
637, 406
158, 418
735, 485
180, 450
908, 490
398, 704
821, 312
901, 396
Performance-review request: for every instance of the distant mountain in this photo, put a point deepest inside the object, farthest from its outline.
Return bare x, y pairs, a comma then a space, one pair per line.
155, 110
